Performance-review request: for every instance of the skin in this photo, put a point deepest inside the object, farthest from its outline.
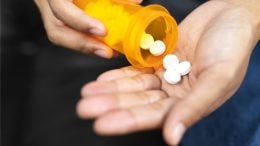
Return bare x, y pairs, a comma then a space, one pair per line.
68, 26
217, 38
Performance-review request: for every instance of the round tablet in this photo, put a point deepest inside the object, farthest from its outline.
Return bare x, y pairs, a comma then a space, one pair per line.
157, 48
170, 61
184, 68
172, 76
146, 41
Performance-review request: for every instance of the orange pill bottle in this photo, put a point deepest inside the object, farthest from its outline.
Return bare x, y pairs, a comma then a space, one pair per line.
127, 22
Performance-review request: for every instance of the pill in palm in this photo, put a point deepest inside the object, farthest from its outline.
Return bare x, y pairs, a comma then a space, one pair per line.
170, 61
157, 48
184, 68
146, 41
172, 76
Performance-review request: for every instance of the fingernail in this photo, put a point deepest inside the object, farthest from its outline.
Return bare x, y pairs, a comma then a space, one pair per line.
178, 132
101, 53
96, 31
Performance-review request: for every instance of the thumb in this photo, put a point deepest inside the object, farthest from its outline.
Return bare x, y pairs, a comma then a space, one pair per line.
209, 92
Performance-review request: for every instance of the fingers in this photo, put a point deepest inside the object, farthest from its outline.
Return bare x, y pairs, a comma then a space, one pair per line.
210, 87
60, 34
94, 106
133, 84
73, 16
78, 41
134, 119
123, 72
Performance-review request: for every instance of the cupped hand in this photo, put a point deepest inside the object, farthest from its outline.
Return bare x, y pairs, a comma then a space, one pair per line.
217, 38
68, 26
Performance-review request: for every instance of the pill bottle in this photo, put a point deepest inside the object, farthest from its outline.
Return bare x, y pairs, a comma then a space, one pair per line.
126, 22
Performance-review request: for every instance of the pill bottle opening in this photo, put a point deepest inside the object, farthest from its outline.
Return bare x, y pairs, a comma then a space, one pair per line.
162, 29
158, 33
160, 25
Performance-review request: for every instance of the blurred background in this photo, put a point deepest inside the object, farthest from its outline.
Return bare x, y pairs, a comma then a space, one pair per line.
41, 85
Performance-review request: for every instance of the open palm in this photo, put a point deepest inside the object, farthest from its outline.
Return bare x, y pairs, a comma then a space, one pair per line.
217, 38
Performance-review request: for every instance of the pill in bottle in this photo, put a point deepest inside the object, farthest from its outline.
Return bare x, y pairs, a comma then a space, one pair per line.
126, 22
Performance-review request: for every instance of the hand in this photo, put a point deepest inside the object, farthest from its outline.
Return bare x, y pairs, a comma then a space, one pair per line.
217, 38
68, 26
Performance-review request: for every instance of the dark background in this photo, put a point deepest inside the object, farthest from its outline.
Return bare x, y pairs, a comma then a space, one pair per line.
41, 84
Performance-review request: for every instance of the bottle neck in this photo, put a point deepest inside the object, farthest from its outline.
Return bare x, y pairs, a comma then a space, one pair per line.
156, 21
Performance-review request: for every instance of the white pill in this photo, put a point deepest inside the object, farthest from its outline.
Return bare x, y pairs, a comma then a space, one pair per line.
170, 61
146, 41
172, 76
157, 48
184, 68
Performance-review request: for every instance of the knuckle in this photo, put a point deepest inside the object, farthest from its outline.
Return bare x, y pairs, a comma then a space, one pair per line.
55, 13
146, 98
85, 47
53, 36
141, 82
126, 70
159, 94
146, 81
152, 96
136, 123
82, 25
55, 6
157, 106
153, 82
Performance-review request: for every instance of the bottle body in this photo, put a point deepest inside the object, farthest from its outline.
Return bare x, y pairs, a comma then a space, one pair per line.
126, 22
